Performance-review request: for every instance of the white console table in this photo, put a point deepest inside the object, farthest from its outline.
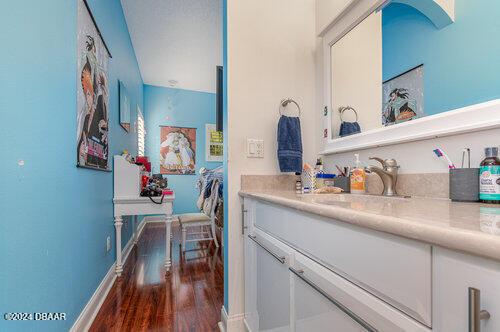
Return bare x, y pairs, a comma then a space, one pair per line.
134, 206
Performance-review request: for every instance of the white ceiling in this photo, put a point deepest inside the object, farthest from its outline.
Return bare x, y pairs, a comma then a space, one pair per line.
177, 40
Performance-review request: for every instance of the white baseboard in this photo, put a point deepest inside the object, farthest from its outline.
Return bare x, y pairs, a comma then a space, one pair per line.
89, 312
223, 319
233, 323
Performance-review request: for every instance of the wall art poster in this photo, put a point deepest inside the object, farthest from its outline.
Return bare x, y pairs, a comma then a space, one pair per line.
403, 97
124, 106
92, 93
213, 143
177, 150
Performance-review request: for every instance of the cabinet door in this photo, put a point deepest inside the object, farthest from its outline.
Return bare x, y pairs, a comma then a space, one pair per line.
454, 273
267, 283
324, 301
396, 270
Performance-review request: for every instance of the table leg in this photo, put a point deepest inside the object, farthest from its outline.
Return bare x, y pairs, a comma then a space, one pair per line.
118, 230
168, 225
136, 236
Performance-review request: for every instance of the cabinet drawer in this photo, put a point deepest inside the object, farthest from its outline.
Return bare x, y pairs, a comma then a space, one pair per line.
394, 269
324, 301
454, 273
267, 283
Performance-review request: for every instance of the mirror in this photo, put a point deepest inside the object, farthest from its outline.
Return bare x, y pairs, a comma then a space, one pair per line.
399, 64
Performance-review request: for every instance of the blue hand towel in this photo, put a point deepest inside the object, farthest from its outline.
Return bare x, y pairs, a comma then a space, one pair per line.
289, 144
349, 128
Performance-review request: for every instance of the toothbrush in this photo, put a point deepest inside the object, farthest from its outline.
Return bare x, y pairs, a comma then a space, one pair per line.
466, 150
440, 153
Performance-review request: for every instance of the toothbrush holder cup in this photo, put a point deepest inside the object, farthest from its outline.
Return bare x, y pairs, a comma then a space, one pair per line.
464, 184
343, 182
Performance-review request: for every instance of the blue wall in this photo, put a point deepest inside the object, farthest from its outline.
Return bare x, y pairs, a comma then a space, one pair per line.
461, 61
54, 217
182, 108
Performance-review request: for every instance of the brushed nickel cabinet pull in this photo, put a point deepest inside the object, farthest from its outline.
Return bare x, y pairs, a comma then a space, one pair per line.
475, 312
281, 259
343, 308
243, 227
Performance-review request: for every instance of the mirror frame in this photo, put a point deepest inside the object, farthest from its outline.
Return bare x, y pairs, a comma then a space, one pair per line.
471, 118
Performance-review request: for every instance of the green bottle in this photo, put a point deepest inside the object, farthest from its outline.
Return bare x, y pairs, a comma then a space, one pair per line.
489, 177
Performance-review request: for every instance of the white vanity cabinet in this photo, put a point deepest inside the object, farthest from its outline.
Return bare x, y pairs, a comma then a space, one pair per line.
396, 270
309, 273
287, 291
267, 282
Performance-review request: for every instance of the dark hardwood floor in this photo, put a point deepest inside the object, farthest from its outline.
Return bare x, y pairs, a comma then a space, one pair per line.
189, 298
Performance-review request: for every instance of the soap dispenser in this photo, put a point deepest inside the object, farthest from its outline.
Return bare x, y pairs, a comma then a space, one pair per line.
358, 178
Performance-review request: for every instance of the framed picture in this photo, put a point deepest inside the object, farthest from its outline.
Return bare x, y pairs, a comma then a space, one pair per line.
177, 150
92, 150
213, 143
403, 97
124, 106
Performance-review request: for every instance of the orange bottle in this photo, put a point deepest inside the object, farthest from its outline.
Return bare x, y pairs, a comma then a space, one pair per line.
358, 178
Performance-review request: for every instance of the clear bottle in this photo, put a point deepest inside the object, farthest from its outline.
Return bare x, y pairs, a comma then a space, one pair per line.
489, 177
358, 178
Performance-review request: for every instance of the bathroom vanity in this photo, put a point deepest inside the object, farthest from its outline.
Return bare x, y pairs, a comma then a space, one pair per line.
368, 263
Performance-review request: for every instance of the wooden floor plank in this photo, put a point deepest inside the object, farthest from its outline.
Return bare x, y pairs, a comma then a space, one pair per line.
188, 298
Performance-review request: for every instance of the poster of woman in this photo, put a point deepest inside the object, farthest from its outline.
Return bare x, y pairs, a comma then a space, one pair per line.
177, 150
92, 93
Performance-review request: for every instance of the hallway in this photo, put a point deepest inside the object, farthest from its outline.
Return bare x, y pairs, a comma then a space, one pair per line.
188, 299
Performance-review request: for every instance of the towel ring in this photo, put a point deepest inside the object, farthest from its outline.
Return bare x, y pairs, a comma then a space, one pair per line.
347, 108
284, 103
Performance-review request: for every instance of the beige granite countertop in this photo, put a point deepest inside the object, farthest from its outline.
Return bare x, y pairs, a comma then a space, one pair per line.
469, 227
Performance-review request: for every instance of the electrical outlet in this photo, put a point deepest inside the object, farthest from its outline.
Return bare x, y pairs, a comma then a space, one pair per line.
108, 243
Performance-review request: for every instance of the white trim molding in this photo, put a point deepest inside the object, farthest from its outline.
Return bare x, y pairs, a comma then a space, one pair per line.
232, 323
441, 12
467, 119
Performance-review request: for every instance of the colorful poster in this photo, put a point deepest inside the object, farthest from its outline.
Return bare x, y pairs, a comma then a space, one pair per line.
92, 93
403, 97
177, 150
214, 144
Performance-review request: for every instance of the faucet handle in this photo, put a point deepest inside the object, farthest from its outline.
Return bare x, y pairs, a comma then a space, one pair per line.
386, 163
380, 160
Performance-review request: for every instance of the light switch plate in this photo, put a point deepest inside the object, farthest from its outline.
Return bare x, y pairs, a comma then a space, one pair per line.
255, 148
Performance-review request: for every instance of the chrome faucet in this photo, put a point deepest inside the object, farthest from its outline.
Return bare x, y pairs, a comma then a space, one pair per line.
388, 173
